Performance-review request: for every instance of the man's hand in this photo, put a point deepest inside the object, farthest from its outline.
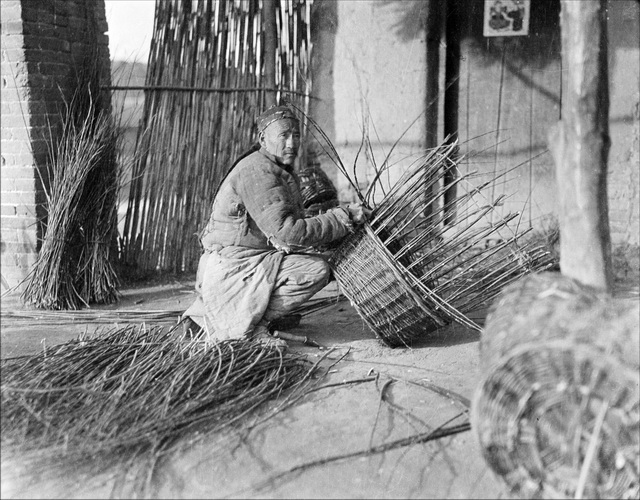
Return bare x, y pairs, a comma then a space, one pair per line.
358, 213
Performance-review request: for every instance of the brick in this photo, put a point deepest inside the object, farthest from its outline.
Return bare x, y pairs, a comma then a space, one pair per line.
18, 160
30, 11
102, 38
15, 198
14, 172
62, 20
16, 133
14, 276
42, 124
15, 94
19, 224
46, 17
19, 259
20, 131
42, 107
18, 185
9, 147
14, 283
21, 212
78, 26
52, 68
16, 80
37, 55
25, 211
12, 27
46, 43
12, 41
52, 93
13, 55
21, 238
16, 280
10, 10
8, 210
41, 80
19, 108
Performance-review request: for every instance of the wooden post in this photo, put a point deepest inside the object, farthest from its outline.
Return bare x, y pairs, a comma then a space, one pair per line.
451, 93
270, 49
432, 90
580, 145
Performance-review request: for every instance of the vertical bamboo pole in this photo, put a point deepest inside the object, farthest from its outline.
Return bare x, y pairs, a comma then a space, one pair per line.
432, 92
270, 47
451, 91
580, 145
433, 35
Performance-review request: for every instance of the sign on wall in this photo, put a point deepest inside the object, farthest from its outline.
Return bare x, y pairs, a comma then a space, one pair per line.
506, 17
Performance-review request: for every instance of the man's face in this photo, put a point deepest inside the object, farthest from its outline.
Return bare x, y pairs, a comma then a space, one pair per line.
282, 139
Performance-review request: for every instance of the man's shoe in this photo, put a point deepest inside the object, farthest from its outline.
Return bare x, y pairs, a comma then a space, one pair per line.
190, 327
261, 335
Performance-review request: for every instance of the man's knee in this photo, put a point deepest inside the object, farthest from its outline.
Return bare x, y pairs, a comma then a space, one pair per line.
202, 264
305, 271
321, 269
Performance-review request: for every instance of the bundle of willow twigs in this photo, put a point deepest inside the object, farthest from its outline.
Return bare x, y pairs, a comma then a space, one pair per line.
74, 266
135, 391
111, 316
92, 316
410, 269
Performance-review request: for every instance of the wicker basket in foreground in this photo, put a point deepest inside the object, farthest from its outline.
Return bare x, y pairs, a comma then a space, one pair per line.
557, 410
407, 277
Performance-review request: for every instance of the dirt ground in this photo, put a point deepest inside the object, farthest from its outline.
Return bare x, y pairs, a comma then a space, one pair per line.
426, 387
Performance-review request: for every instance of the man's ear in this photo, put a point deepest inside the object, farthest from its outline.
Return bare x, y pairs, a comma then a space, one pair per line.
261, 139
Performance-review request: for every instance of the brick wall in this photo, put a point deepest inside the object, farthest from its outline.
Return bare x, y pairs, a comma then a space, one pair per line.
45, 44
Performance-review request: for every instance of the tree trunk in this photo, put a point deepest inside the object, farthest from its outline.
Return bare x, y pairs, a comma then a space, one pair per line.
580, 145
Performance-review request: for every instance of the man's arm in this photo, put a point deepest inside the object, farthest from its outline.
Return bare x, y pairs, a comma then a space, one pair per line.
267, 199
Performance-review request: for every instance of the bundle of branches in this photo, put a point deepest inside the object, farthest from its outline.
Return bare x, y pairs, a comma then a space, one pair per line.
135, 391
94, 316
74, 265
410, 269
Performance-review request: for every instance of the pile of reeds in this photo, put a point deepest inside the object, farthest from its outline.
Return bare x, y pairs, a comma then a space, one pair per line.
412, 269
205, 86
74, 266
135, 391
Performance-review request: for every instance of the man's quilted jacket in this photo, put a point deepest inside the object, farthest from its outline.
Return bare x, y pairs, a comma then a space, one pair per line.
259, 206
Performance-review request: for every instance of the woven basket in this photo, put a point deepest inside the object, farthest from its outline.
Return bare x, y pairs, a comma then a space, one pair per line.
410, 270
316, 187
382, 292
557, 410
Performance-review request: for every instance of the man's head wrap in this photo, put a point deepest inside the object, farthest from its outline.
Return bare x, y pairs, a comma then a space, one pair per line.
273, 114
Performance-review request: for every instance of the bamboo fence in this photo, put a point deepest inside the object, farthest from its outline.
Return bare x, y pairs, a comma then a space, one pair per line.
204, 87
